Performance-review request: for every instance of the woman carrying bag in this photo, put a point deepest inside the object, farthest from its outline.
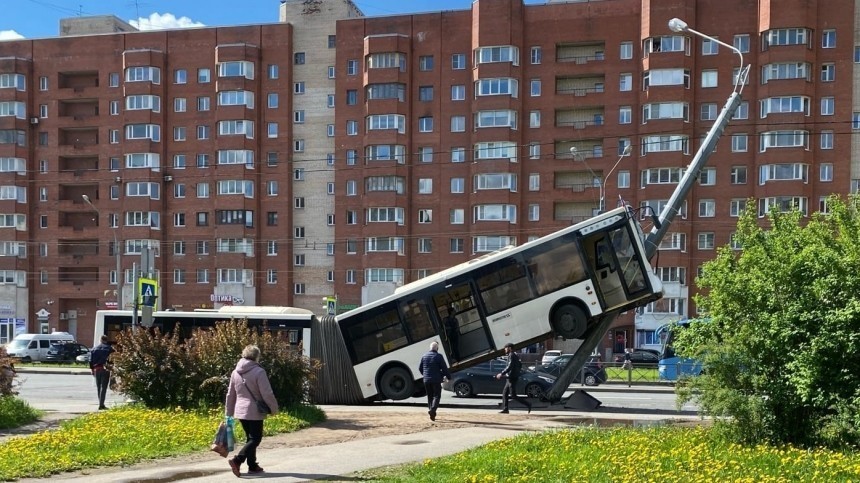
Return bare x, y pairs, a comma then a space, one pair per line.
249, 384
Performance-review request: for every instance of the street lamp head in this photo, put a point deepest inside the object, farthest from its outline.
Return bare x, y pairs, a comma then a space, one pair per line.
86, 198
677, 25
574, 152
627, 150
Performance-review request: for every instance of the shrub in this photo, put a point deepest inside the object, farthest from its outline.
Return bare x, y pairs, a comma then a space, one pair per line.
7, 374
15, 412
161, 371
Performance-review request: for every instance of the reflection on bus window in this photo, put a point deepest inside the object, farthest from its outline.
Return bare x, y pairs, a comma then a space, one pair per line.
504, 286
377, 335
631, 268
417, 319
555, 267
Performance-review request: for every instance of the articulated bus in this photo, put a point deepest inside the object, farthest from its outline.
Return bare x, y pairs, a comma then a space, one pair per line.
294, 323
557, 285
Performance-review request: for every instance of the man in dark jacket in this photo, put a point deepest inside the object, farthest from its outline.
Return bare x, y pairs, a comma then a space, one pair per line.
98, 365
512, 372
434, 369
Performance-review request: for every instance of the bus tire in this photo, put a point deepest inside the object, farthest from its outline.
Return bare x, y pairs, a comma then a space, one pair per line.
569, 321
396, 383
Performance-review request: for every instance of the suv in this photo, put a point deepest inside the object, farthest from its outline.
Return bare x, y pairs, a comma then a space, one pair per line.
65, 352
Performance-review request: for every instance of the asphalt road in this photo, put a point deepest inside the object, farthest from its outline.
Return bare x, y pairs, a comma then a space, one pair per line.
76, 393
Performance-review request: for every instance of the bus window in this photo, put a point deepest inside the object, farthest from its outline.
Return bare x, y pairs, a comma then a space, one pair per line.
555, 267
631, 267
377, 335
504, 286
418, 321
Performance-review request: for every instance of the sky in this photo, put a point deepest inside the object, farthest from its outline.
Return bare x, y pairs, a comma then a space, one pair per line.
35, 19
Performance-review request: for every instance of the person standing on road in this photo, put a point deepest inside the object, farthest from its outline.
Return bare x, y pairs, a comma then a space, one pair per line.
512, 372
99, 367
434, 370
249, 383
628, 359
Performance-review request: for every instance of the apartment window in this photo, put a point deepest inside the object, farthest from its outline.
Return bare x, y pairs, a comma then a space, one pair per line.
828, 106
113, 79
743, 111
203, 103
626, 51
425, 93
332, 41
534, 87
43, 83
458, 61
351, 67
425, 216
458, 123
458, 185
534, 212
625, 115
535, 56
739, 175
709, 47
740, 143
425, 124
425, 63
708, 112
826, 139
299, 58
299, 145
855, 120
623, 179
272, 100
534, 150
534, 182
272, 188
351, 97
330, 101
458, 93
425, 154
828, 72
299, 88
425, 245
351, 188
272, 71
456, 245
351, 157
179, 133
179, 190
736, 207
202, 132
179, 104
299, 117
299, 289
709, 78
202, 160
272, 129
742, 42
825, 172
179, 161
828, 39
425, 186
458, 155
331, 72
299, 260
707, 208
706, 241
625, 82
708, 177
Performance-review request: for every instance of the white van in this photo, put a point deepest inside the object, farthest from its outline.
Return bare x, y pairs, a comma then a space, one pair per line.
33, 347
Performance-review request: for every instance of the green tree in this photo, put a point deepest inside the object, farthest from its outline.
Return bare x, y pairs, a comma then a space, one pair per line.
783, 324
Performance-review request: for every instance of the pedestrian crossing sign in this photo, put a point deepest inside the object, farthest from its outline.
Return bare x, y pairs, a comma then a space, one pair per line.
147, 289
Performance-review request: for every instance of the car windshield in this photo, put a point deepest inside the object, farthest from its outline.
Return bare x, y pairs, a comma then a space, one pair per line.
19, 344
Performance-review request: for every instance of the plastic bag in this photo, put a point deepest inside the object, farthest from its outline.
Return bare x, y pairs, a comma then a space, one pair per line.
219, 444
231, 439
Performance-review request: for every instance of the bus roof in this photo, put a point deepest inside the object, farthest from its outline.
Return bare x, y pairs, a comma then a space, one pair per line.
599, 220
225, 311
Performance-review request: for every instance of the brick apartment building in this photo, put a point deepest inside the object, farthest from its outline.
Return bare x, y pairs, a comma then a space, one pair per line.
333, 153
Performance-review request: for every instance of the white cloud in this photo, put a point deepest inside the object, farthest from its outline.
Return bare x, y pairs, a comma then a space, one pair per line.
158, 21
10, 35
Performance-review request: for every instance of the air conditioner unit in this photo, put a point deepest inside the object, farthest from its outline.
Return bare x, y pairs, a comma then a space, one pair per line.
64, 316
34, 120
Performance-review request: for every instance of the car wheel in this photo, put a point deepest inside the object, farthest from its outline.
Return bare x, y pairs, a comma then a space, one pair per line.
463, 389
534, 390
396, 383
591, 380
569, 321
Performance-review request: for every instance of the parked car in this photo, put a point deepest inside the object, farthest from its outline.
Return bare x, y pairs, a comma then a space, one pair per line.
641, 357
34, 347
593, 373
65, 352
549, 356
481, 379
83, 358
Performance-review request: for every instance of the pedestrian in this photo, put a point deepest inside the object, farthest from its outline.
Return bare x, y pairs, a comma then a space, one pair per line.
452, 329
433, 368
249, 383
628, 359
101, 371
512, 372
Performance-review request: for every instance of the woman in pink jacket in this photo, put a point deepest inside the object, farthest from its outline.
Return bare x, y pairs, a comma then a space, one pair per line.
248, 384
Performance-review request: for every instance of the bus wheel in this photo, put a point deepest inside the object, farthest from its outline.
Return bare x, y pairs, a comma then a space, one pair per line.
396, 383
569, 321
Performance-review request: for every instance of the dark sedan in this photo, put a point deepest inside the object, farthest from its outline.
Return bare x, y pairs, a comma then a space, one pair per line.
592, 374
481, 379
66, 352
641, 357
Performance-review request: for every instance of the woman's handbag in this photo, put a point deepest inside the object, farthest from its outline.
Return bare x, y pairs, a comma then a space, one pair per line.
262, 407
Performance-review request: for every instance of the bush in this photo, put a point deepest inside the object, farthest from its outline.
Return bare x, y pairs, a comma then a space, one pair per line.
15, 412
162, 371
7, 374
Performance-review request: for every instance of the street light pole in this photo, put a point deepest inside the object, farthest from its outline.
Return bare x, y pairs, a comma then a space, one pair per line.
116, 251
600, 184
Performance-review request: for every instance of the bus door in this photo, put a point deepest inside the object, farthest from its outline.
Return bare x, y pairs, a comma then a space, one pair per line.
618, 271
471, 337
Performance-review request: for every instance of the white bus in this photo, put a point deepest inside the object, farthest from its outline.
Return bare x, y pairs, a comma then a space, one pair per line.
294, 323
557, 285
